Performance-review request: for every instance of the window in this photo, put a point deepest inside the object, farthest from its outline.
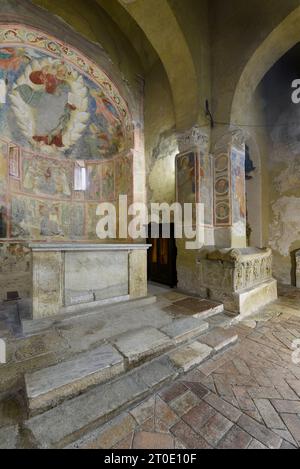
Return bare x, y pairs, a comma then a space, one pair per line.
80, 183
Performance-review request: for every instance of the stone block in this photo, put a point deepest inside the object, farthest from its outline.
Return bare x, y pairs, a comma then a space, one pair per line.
260, 432
8, 437
139, 345
82, 281
47, 284
219, 339
51, 385
190, 356
138, 287
181, 330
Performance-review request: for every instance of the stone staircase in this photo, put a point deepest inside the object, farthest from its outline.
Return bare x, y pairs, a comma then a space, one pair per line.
76, 394
77, 403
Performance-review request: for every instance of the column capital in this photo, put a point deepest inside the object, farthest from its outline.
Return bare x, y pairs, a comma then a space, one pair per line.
234, 136
195, 138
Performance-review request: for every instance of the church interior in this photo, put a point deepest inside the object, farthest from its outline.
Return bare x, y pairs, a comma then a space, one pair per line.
133, 339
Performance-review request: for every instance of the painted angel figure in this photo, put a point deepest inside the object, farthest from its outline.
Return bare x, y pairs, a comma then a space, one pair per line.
52, 109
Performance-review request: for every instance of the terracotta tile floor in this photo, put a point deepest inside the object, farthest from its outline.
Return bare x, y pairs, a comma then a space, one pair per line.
249, 397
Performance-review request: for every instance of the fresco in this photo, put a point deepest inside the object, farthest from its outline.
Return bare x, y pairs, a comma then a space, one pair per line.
61, 102
238, 186
222, 190
43, 219
93, 220
94, 176
186, 170
123, 169
46, 176
3, 169
108, 181
60, 110
206, 188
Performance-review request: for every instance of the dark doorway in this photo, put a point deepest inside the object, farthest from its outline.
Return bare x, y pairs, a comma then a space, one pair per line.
162, 257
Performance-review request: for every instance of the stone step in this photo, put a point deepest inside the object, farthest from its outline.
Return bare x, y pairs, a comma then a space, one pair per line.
142, 344
210, 309
181, 330
38, 325
190, 356
219, 339
195, 307
67, 422
49, 386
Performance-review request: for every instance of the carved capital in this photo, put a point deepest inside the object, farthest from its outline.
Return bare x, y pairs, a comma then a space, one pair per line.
233, 137
193, 139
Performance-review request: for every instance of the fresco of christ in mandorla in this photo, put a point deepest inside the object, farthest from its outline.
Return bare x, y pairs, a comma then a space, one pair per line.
54, 109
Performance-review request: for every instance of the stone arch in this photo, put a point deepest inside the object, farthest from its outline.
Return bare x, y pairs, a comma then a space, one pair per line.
167, 38
279, 41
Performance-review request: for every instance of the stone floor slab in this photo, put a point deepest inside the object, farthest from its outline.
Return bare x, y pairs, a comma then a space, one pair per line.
259, 432
269, 414
145, 440
189, 438
226, 409
215, 429
8, 437
287, 407
184, 403
236, 438
293, 424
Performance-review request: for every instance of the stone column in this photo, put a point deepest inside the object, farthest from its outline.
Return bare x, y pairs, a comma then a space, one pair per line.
230, 191
194, 184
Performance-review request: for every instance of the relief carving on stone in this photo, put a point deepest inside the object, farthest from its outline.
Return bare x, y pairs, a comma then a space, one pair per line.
193, 138
234, 269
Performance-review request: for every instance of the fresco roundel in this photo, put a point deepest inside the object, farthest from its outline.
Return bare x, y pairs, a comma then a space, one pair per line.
222, 211
221, 163
51, 87
222, 186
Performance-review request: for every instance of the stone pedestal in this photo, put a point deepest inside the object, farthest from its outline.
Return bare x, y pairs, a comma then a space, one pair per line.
72, 277
239, 278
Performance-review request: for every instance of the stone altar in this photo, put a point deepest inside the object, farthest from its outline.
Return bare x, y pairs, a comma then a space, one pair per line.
239, 278
70, 277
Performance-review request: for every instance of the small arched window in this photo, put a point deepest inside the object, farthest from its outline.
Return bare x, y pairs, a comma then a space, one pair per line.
80, 181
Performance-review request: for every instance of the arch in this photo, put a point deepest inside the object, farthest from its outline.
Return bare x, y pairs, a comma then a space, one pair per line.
279, 41
167, 38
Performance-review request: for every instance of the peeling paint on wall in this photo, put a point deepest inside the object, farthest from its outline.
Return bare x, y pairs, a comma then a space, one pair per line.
285, 227
162, 169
